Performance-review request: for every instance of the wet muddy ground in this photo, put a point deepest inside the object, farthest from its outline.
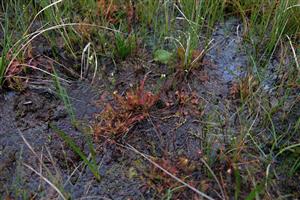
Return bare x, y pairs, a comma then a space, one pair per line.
172, 133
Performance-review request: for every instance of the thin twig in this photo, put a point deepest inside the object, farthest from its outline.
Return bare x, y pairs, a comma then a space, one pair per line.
215, 177
294, 53
46, 180
168, 173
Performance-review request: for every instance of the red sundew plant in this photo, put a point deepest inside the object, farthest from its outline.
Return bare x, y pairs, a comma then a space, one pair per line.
129, 109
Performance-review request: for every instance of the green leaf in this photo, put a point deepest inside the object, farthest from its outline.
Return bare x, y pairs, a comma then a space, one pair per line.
2, 70
91, 164
256, 191
162, 56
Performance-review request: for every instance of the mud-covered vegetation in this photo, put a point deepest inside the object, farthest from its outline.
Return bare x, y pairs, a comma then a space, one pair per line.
149, 99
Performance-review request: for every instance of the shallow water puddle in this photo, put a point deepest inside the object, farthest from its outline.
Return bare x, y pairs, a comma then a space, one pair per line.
227, 53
